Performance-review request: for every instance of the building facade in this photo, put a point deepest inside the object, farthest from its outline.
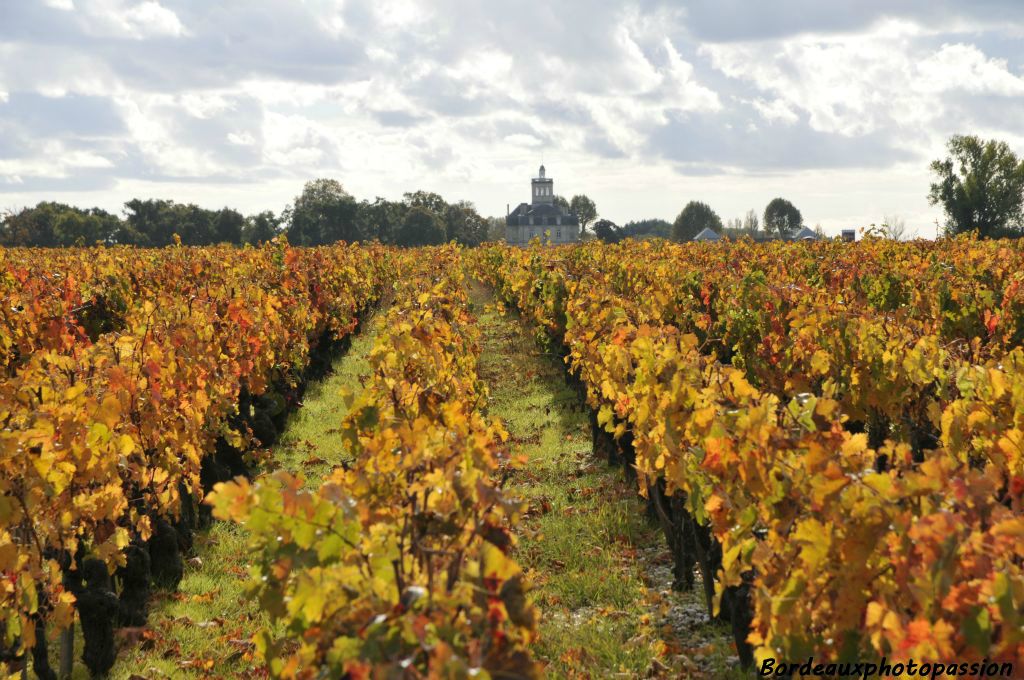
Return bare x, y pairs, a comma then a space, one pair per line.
541, 217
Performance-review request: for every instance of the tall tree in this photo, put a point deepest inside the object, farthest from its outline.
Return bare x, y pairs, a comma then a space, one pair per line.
646, 228
426, 199
149, 222
693, 219
463, 224
323, 213
750, 222
894, 227
585, 211
227, 226
421, 227
980, 186
261, 227
608, 231
381, 219
496, 228
562, 202
782, 218
57, 225
733, 227
194, 225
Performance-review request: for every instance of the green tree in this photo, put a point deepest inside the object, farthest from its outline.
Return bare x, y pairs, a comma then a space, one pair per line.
497, 228
421, 227
693, 219
323, 213
193, 224
464, 224
585, 211
562, 202
647, 228
84, 228
26, 227
381, 219
227, 226
154, 222
56, 225
261, 227
980, 185
426, 199
149, 222
782, 218
608, 231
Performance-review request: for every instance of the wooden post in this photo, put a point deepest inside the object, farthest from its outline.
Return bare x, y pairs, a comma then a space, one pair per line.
67, 652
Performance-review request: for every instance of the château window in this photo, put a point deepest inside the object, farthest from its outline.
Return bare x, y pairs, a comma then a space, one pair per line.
558, 233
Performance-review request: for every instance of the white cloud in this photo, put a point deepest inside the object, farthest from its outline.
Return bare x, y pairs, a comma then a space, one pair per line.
130, 19
775, 110
150, 18
689, 94
641, 104
242, 138
400, 13
205, 104
56, 161
294, 141
861, 83
965, 67
521, 139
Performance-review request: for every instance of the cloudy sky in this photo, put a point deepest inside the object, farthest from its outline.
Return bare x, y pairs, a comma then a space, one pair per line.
643, 105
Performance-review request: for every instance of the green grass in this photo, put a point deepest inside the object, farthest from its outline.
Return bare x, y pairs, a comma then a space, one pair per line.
204, 629
600, 570
312, 443
577, 543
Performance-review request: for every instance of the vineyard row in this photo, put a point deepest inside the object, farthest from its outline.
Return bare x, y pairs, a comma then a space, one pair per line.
833, 439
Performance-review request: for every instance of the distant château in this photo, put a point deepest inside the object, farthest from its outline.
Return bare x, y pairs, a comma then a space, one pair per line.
542, 215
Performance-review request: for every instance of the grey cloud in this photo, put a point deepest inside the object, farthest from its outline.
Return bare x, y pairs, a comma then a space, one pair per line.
711, 141
225, 42
35, 115
397, 118
732, 20
243, 115
85, 181
566, 64
598, 143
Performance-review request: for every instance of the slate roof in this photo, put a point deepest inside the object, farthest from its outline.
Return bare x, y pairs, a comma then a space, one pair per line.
542, 211
706, 234
805, 234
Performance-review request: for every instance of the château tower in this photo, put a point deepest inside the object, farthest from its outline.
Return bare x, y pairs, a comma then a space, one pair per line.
541, 217
543, 188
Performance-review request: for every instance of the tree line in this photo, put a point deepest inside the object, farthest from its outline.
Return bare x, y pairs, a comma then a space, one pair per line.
323, 213
980, 186
781, 218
